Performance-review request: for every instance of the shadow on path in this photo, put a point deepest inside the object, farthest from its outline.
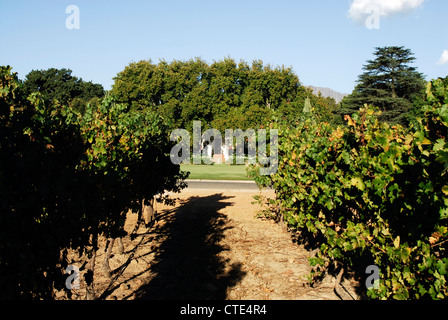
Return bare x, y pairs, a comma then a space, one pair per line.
187, 264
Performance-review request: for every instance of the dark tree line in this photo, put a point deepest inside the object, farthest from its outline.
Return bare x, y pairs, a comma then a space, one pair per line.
59, 84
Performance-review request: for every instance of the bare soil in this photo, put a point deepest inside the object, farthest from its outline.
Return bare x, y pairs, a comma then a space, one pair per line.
209, 245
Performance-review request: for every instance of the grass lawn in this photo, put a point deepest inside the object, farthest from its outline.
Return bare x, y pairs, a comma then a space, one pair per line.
216, 172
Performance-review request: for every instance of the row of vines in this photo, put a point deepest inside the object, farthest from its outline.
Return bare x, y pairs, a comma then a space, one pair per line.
66, 179
370, 193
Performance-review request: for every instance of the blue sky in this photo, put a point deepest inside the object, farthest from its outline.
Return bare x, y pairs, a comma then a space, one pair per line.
323, 44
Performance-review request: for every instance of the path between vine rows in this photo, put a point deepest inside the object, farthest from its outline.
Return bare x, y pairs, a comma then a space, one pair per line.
210, 245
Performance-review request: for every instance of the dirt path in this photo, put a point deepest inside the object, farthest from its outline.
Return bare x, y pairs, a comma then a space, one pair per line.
210, 246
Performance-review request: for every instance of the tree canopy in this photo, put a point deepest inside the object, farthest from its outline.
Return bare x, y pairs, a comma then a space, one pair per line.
61, 85
224, 94
388, 83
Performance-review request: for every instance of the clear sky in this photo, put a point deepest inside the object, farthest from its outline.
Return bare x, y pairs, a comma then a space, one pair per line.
326, 42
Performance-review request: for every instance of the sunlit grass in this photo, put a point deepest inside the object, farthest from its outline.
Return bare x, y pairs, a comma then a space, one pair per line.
216, 172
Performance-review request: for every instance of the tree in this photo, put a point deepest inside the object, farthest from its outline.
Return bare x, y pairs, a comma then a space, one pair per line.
388, 83
225, 94
59, 84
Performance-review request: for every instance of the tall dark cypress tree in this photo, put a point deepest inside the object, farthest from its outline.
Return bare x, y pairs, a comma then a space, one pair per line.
388, 83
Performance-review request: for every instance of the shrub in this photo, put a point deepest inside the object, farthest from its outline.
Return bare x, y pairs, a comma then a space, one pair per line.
371, 194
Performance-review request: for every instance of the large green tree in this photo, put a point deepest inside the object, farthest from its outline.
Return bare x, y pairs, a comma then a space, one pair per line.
389, 83
224, 94
59, 84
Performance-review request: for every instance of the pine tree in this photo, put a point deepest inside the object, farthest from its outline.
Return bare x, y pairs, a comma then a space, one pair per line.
388, 83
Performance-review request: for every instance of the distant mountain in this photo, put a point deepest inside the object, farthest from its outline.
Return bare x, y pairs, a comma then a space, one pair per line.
327, 92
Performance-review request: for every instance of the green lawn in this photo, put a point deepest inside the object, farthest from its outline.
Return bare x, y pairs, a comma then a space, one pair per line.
216, 172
